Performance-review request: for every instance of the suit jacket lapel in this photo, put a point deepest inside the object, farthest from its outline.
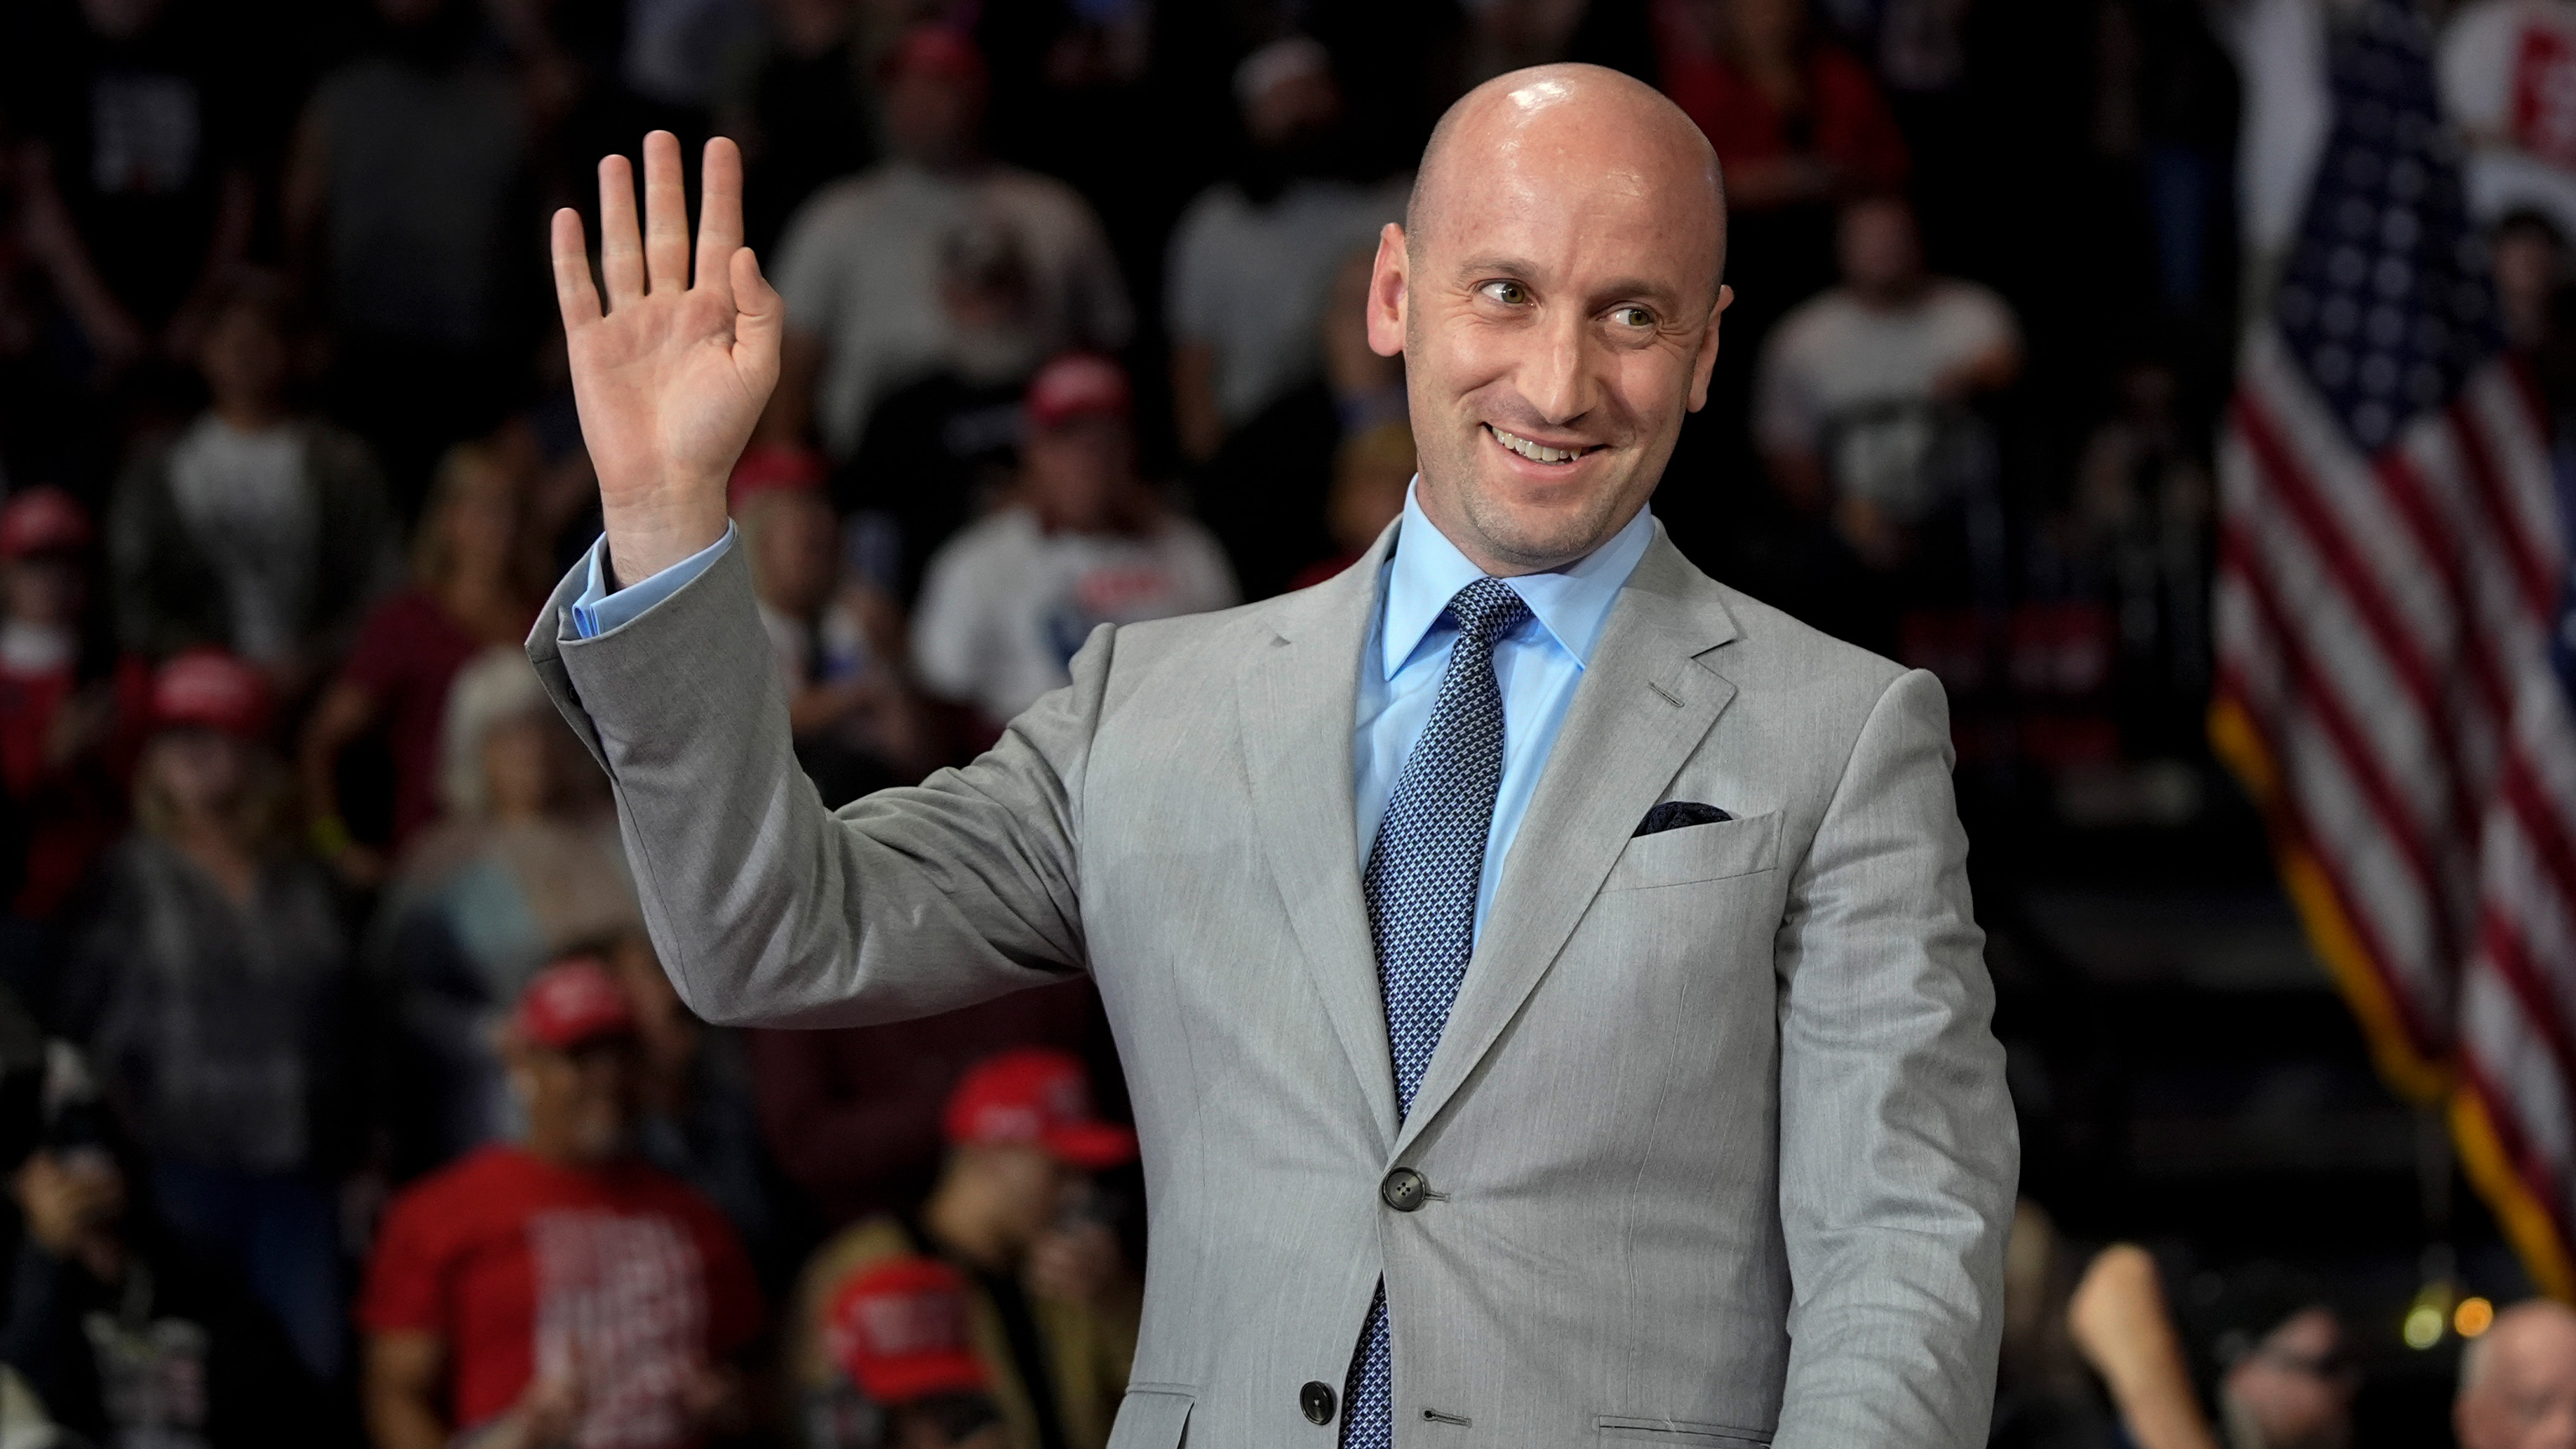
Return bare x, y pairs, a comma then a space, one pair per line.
1298, 693
1645, 702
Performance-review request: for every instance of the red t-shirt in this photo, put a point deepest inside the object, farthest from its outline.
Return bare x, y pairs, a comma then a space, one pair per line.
407, 654
624, 1273
1847, 122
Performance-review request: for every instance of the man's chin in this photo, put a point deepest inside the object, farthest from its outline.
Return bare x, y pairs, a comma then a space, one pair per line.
1543, 533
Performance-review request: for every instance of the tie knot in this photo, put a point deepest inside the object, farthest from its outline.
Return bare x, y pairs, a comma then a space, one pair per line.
1486, 610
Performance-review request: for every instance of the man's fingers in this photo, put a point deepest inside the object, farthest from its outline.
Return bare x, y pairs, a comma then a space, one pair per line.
666, 214
759, 325
719, 216
573, 290
621, 251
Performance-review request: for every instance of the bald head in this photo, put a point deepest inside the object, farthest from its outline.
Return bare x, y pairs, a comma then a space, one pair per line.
1554, 290
2518, 1381
1552, 123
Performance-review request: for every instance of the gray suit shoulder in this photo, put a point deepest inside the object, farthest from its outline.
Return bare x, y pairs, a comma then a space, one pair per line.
1773, 650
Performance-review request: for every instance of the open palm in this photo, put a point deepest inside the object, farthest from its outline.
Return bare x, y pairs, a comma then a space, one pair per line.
670, 376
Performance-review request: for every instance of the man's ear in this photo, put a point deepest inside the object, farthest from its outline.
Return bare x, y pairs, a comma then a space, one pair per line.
1707, 357
1386, 293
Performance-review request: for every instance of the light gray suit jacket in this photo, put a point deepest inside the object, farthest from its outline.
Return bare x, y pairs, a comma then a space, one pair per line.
1717, 1137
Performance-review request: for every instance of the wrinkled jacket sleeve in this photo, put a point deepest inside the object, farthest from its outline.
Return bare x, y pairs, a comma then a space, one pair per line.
768, 909
1898, 1153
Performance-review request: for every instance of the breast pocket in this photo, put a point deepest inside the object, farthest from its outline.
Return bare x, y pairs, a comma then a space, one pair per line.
1677, 1433
1696, 853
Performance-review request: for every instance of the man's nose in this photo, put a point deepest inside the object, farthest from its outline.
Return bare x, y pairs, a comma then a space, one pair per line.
1557, 378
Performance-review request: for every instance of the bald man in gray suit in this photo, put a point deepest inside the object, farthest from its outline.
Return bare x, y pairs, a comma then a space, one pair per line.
1546, 976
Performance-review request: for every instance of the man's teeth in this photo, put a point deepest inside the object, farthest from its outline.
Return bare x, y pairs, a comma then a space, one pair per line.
1535, 452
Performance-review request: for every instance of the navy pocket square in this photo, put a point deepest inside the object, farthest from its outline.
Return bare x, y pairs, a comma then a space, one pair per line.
1674, 814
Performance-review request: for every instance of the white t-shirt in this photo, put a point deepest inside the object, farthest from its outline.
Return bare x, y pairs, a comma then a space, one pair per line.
1006, 604
2508, 76
860, 266
1250, 281
251, 512
1833, 354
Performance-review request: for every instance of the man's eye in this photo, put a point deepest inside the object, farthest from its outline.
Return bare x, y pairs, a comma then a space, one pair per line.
1633, 317
1510, 294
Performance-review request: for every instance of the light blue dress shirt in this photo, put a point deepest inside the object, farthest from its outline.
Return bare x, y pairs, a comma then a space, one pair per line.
598, 611
1537, 666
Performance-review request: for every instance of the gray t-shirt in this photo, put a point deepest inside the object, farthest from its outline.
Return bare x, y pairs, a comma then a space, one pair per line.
860, 267
1250, 281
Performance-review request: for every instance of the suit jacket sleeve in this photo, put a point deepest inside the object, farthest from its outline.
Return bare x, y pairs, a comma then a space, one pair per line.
767, 908
1898, 1151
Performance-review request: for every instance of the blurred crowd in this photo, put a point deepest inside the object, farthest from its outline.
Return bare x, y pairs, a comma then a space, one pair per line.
346, 1097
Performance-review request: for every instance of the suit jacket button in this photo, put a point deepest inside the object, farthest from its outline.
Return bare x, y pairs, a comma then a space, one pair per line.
1317, 1400
1404, 1189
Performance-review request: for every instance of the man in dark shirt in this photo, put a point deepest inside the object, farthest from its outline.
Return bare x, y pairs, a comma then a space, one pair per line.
1054, 1305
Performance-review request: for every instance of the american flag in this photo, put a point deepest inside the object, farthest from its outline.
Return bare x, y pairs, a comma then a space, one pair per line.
2392, 573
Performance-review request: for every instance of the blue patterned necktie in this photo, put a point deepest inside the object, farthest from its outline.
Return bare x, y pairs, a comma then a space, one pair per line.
1421, 892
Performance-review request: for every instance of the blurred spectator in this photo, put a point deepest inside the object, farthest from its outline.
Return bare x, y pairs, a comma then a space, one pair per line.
799, 100
940, 450
1084, 542
1253, 258
2531, 264
839, 642
1272, 492
70, 708
1055, 1305
561, 1290
1858, 387
853, 1115
696, 1117
1370, 475
525, 865
2167, 102
1794, 117
406, 207
476, 582
909, 1378
215, 994
675, 51
130, 1339
255, 531
860, 264
137, 199
2287, 1376
2518, 1381
2508, 77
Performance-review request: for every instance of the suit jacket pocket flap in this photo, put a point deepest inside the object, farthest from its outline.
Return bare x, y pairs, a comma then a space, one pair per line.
1698, 852
1679, 1433
1153, 1416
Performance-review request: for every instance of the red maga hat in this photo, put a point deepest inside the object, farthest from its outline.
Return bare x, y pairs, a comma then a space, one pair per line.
898, 1329
1037, 1098
210, 689
1079, 384
937, 51
773, 468
43, 520
571, 1002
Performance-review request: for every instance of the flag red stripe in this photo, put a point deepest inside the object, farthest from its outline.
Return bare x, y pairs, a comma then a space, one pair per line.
2486, 483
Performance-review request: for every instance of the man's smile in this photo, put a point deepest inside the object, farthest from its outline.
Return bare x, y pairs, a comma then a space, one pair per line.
1541, 452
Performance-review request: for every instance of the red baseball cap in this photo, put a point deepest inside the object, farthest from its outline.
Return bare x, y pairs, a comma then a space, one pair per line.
773, 468
43, 520
1078, 384
210, 689
898, 1329
571, 1002
936, 51
1037, 1098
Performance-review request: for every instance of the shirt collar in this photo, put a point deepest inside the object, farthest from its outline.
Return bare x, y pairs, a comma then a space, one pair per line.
1571, 603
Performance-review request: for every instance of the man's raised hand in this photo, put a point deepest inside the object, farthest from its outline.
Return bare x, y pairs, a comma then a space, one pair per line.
670, 377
